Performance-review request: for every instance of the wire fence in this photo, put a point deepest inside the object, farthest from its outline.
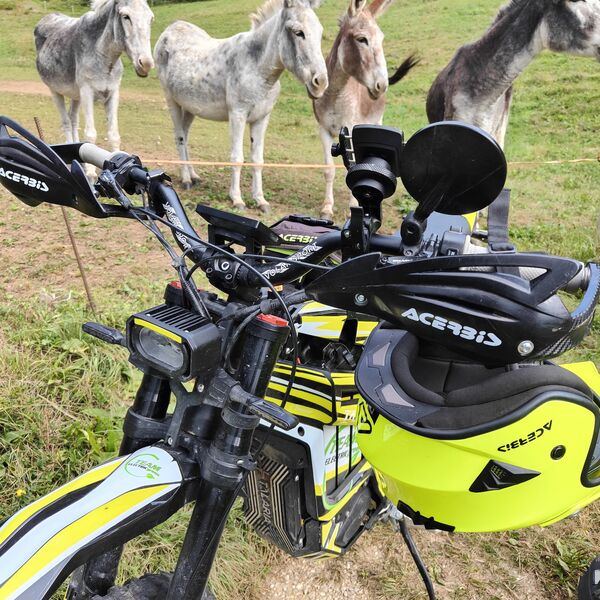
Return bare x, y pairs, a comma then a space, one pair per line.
308, 166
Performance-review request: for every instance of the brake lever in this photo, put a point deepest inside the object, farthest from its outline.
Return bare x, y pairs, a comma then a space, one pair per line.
110, 187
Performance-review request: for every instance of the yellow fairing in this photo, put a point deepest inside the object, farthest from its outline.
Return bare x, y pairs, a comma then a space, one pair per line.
434, 476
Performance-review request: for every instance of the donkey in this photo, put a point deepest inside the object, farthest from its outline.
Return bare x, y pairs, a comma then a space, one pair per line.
476, 86
80, 59
237, 79
358, 81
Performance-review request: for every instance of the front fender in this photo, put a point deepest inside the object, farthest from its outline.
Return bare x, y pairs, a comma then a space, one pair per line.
43, 542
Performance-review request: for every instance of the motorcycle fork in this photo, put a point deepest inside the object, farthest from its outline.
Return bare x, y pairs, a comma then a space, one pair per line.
227, 461
143, 426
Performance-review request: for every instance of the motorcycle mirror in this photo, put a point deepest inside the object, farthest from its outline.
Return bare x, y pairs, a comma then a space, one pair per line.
452, 168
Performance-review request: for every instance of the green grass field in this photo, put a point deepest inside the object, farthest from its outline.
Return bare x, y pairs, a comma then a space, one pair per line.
63, 395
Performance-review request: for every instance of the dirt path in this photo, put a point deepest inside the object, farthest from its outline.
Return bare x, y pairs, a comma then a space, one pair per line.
37, 88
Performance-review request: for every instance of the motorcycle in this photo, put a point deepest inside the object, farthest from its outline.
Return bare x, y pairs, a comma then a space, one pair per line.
363, 376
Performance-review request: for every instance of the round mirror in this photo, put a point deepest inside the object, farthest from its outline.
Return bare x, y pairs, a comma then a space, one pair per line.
453, 168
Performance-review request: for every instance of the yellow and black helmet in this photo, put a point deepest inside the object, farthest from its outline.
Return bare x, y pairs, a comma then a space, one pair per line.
469, 426
464, 447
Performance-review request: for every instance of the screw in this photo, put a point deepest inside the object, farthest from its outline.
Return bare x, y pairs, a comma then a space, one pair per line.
170, 441
228, 277
297, 478
225, 265
525, 348
558, 452
346, 233
200, 387
360, 300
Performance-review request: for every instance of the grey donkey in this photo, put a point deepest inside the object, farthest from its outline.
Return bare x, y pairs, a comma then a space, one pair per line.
80, 59
358, 81
237, 79
477, 85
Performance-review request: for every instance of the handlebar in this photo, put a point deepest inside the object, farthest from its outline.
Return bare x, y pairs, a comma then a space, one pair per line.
166, 202
94, 155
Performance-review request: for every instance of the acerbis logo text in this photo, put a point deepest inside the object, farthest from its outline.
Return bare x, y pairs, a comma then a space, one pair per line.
462, 331
24, 179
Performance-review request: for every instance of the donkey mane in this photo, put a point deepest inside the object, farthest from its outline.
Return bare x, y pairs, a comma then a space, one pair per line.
262, 14
100, 6
517, 5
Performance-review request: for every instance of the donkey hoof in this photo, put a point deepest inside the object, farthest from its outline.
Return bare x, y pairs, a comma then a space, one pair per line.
239, 206
264, 207
327, 214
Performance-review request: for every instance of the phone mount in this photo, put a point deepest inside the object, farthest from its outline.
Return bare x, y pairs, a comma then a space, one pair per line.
371, 155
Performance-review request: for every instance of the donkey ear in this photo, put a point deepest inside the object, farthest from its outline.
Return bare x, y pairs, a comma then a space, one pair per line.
356, 6
378, 7
289, 3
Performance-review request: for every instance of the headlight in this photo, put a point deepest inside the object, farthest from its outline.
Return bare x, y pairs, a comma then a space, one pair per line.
174, 341
158, 347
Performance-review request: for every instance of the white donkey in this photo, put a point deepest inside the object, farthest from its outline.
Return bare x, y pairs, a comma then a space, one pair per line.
80, 59
358, 81
237, 79
476, 86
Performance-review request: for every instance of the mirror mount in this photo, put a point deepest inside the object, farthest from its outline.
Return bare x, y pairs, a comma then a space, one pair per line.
415, 223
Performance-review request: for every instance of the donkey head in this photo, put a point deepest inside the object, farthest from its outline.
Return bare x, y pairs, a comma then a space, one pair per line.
133, 23
300, 45
572, 26
360, 51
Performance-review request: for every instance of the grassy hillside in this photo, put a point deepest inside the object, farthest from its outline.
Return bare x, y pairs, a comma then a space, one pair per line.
63, 396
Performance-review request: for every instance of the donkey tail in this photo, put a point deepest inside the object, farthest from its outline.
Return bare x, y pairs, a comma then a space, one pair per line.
402, 71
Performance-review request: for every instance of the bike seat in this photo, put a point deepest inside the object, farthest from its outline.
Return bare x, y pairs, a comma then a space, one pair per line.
419, 385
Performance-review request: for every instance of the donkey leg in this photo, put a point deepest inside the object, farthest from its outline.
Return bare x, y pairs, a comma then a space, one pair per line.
90, 134
74, 114
237, 124
187, 120
112, 120
257, 144
180, 141
327, 208
65, 120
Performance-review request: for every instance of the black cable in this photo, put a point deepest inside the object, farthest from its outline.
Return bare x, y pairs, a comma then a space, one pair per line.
236, 258
293, 333
414, 552
268, 258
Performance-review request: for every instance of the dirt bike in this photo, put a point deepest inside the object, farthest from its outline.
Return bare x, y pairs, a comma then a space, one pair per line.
410, 380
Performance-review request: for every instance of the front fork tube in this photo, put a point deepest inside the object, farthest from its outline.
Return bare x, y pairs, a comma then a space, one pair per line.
227, 461
150, 407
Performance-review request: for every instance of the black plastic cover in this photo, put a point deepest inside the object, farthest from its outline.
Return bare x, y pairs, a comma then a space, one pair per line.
35, 172
452, 301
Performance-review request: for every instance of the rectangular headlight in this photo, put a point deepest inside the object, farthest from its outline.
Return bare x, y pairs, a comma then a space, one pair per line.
174, 341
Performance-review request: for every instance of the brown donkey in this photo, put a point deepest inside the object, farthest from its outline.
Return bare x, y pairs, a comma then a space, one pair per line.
358, 80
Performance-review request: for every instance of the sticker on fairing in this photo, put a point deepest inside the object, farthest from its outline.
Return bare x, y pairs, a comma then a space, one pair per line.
32, 557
